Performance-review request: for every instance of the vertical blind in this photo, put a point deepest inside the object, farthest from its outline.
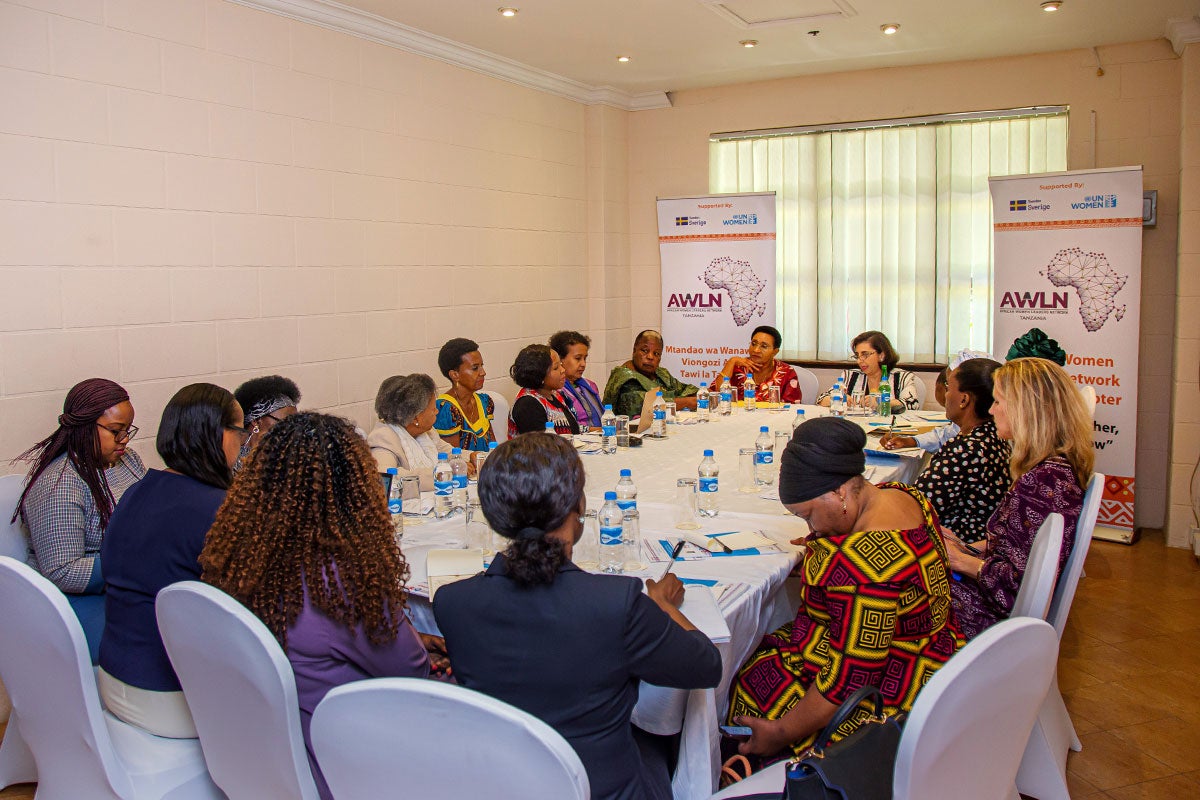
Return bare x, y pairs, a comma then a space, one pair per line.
887, 228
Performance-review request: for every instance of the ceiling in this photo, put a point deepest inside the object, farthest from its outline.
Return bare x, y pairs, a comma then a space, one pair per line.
686, 44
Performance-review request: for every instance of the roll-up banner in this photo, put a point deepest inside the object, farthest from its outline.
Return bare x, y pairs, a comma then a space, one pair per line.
718, 278
1068, 261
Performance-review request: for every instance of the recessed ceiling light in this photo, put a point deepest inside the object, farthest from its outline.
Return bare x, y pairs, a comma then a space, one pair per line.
749, 42
508, 11
623, 59
890, 28
1051, 5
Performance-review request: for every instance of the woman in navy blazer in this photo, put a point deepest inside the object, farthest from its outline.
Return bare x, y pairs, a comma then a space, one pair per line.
569, 647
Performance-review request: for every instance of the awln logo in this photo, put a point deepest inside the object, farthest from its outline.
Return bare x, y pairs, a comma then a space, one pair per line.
694, 301
1033, 300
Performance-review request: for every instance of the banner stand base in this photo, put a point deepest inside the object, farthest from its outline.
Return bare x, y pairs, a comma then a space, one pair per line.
1119, 535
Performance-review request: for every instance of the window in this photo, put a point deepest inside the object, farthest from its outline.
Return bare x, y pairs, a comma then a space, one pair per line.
887, 225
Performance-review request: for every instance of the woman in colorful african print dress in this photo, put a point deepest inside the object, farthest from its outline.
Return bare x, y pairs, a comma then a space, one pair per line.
875, 600
760, 367
464, 414
1040, 411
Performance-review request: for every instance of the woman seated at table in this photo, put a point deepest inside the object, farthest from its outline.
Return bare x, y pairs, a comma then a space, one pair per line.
464, 413
873, 352
78, 475
582, 395
885, 623
1040, 411
404, 436
760, 367
569, 647
154, 540
539, 372
968, 476
304, 542
265, 402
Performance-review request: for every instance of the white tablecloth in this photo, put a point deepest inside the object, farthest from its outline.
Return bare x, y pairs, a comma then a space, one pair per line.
758, 603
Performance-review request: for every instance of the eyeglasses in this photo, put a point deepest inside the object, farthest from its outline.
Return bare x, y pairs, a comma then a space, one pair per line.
242, 433
865, 354
120, 434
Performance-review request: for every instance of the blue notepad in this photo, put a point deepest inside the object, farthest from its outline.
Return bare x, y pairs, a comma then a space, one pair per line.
698, 581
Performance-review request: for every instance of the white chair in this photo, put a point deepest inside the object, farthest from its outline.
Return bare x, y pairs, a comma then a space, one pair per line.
500, 416
1089, 398
810, 387
1044, 768
81, 750
1041, 570
241, 690
1001, 676
439, 741
921, 390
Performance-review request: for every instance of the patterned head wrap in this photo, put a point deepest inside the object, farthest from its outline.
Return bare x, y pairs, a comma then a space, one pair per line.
823, 454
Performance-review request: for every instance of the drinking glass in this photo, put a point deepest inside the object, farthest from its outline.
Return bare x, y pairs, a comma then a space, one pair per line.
410, 499
781, 442
478, 531
622, 431
746, 481
586, 554
671, 412
773, 394
685, 504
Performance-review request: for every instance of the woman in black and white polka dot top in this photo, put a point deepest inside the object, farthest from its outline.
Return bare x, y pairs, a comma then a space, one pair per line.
967, 478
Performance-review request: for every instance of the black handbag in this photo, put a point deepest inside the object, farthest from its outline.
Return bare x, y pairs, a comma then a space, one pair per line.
858, 767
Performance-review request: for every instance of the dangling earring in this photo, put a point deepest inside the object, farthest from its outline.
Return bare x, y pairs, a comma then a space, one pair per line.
843, 506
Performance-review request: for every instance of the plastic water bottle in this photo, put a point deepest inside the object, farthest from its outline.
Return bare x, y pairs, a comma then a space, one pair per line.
707, 502
626, 491
458, 465
837, 400
482, 455
612, 548
885, 394
443, 487
748, 396
725, 407
764, 457
798, 420
550, 427
702, 402
659, 426
396, 502
631, 535
608, 431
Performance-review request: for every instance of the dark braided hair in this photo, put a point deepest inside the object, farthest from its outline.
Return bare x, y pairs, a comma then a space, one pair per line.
77, 437
307, 509
527, 487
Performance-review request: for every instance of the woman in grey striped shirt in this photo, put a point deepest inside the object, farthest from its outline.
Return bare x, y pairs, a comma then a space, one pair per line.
78, 475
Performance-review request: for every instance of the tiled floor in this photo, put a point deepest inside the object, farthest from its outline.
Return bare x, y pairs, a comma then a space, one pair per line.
1129, 671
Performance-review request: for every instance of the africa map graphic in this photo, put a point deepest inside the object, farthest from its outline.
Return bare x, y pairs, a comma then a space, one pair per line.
1096, 283
738, 279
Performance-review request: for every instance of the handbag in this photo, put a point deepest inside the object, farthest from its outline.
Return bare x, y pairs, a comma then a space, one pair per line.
858, 767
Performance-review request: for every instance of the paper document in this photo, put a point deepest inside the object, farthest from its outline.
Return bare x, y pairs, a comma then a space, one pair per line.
700, 607
448, 566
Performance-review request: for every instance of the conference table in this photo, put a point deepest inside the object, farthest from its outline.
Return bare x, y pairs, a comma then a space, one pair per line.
751, 591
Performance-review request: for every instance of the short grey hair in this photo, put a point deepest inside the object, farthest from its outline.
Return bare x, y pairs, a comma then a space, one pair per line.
402, 397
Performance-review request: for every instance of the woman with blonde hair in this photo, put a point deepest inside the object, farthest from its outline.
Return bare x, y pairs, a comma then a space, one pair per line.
1039, 410
304, 541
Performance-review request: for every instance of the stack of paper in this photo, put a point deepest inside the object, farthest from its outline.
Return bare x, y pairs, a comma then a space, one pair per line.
448, 566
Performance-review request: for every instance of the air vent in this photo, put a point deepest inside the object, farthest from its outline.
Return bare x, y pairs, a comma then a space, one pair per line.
773, 13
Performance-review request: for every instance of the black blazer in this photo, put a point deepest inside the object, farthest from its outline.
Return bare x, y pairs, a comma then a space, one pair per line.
572, 654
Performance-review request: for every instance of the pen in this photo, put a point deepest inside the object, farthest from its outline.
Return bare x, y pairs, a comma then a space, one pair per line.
713, 538
674, 555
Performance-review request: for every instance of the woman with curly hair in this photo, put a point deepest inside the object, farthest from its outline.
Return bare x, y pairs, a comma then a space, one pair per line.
304, 541
566, 646
78, 474
266, 402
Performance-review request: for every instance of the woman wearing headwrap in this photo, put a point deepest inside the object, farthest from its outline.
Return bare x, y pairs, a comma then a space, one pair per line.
569, 647
79, 474
874, 604
266, 402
